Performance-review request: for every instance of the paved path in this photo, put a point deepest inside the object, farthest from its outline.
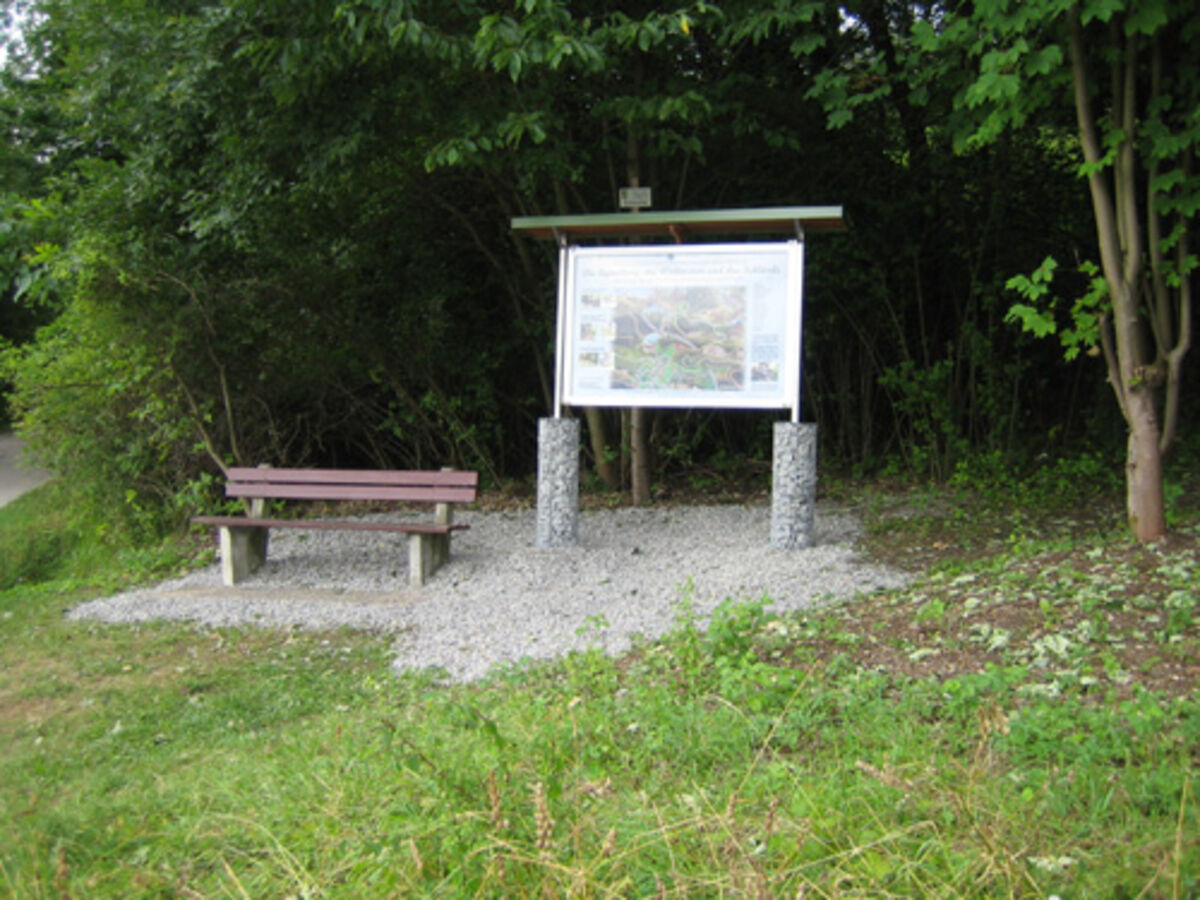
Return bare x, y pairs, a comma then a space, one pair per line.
15, 477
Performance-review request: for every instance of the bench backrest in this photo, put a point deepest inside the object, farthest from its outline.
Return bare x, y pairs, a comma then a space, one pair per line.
353, 484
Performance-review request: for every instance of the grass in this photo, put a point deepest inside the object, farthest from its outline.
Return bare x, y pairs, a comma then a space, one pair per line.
1022, 721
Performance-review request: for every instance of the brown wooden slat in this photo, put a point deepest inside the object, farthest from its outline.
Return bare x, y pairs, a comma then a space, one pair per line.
396, 477
329, 524
447, 494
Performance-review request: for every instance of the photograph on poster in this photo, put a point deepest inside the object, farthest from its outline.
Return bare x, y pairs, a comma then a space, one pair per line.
699, 325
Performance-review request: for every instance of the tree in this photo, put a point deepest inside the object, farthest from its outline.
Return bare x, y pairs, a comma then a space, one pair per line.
280, 230
1120, 73
909, 355
231, 208
1125, 69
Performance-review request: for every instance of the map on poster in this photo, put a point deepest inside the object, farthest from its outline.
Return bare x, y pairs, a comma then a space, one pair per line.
707, 325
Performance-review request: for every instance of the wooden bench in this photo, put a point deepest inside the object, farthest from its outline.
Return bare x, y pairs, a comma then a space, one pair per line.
244, 539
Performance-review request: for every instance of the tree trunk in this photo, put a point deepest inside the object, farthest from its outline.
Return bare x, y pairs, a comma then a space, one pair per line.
639, 431
606, 466
640, 444
1143, 479
626, 445
1115, 205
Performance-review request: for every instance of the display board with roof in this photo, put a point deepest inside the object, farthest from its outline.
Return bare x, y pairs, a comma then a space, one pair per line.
689, 318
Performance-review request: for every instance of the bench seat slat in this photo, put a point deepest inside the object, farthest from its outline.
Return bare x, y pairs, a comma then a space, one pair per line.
357, 492
395, 478
330, 524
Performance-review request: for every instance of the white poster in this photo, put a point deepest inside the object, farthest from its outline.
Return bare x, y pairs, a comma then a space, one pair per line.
700, 325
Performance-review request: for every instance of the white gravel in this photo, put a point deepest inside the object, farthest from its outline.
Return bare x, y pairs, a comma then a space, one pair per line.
501, 600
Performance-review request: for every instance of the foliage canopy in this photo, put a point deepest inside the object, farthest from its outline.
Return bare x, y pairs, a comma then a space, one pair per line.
279, 231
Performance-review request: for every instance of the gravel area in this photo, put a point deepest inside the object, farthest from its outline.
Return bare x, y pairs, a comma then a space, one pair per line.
500, 600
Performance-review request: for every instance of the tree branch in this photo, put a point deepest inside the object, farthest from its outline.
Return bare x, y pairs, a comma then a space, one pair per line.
1089, 141
1182, 345
1126, 168
1116, 232
222, 379
1160, 299
1112, 364
198, 420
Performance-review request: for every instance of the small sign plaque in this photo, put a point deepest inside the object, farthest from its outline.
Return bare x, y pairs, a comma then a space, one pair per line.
634, 197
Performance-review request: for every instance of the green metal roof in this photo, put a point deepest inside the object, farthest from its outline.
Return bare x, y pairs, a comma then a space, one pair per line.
679, 224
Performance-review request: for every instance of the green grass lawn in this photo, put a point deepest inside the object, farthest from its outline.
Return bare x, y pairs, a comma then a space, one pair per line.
1021, 721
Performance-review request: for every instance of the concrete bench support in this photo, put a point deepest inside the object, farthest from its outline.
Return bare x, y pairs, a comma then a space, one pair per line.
426, 554
243, 551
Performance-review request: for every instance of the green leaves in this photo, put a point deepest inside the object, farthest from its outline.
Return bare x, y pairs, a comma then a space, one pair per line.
1039, 322
1100, 10
759, 24
1137, 16
511, 132
1036, 285
1044, 61
1039, 315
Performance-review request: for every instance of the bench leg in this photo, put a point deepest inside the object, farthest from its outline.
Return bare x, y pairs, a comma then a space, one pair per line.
426, 553
420, 559
243, 550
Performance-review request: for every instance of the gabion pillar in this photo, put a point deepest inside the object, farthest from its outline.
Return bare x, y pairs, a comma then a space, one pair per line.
793, 485
558, 483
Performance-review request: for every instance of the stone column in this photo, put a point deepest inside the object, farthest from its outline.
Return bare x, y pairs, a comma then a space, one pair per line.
558, 483
793, 485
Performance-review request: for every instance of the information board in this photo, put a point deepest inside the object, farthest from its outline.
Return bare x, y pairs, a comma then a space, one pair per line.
697, 325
